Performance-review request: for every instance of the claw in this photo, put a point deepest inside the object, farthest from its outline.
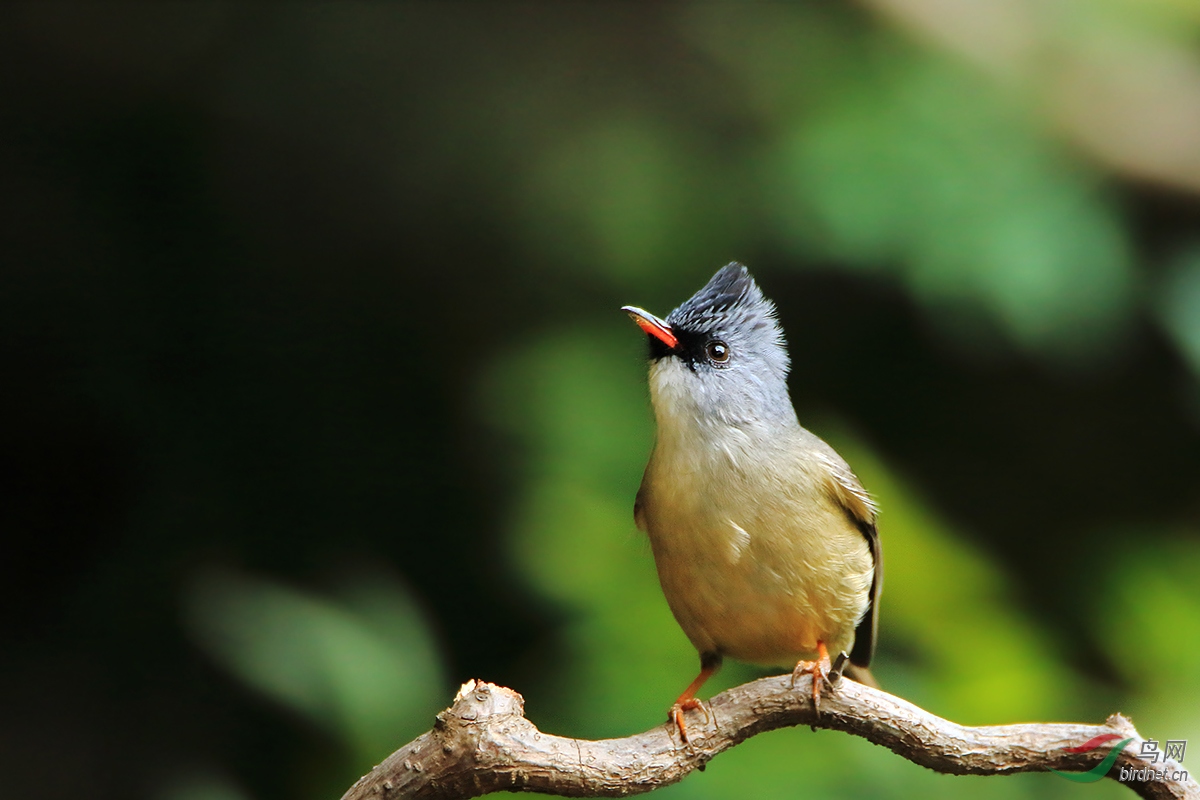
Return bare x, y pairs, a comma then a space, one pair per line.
822, 671
709, 663
677, 711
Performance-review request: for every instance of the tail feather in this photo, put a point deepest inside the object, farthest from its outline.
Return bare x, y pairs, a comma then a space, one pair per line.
861, 675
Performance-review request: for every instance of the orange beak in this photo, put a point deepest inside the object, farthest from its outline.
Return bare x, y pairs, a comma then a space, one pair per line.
652, 325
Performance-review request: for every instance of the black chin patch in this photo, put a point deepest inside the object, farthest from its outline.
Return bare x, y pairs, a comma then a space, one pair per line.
658, 348
690, 349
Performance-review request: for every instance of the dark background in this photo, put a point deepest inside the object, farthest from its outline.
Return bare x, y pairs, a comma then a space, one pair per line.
316, 400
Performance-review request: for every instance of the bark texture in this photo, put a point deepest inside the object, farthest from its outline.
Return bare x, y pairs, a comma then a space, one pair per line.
484, 743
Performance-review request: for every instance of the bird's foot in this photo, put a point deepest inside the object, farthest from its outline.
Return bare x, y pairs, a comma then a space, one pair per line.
822, 671
675, 717
709, 663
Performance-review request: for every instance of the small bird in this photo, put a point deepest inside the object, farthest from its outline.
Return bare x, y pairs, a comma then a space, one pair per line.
764, 539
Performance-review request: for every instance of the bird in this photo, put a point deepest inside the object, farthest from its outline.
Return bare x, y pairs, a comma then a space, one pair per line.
764, 540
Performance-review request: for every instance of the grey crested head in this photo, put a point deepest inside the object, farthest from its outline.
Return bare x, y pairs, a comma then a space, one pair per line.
720, 356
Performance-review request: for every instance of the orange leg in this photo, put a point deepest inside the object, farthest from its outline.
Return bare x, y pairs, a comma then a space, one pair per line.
709, 664
820, 671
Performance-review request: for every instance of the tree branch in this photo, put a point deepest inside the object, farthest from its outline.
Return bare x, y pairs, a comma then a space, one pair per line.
483, 743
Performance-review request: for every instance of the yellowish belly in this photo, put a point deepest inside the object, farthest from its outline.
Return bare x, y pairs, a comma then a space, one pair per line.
757, 558
765, 597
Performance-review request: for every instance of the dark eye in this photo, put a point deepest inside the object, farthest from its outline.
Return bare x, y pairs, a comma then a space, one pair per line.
718, 352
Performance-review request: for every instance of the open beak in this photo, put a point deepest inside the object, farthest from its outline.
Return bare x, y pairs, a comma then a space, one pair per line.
652, 325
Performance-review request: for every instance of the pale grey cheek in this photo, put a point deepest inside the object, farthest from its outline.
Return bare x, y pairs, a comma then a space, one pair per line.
728, 395
735, 390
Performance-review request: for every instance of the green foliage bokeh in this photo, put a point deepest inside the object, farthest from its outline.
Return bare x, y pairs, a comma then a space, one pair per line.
322, 404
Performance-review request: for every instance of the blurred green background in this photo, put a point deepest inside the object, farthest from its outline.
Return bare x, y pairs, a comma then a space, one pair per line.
317, 401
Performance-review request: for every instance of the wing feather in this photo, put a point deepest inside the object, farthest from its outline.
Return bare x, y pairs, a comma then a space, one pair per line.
861, 508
